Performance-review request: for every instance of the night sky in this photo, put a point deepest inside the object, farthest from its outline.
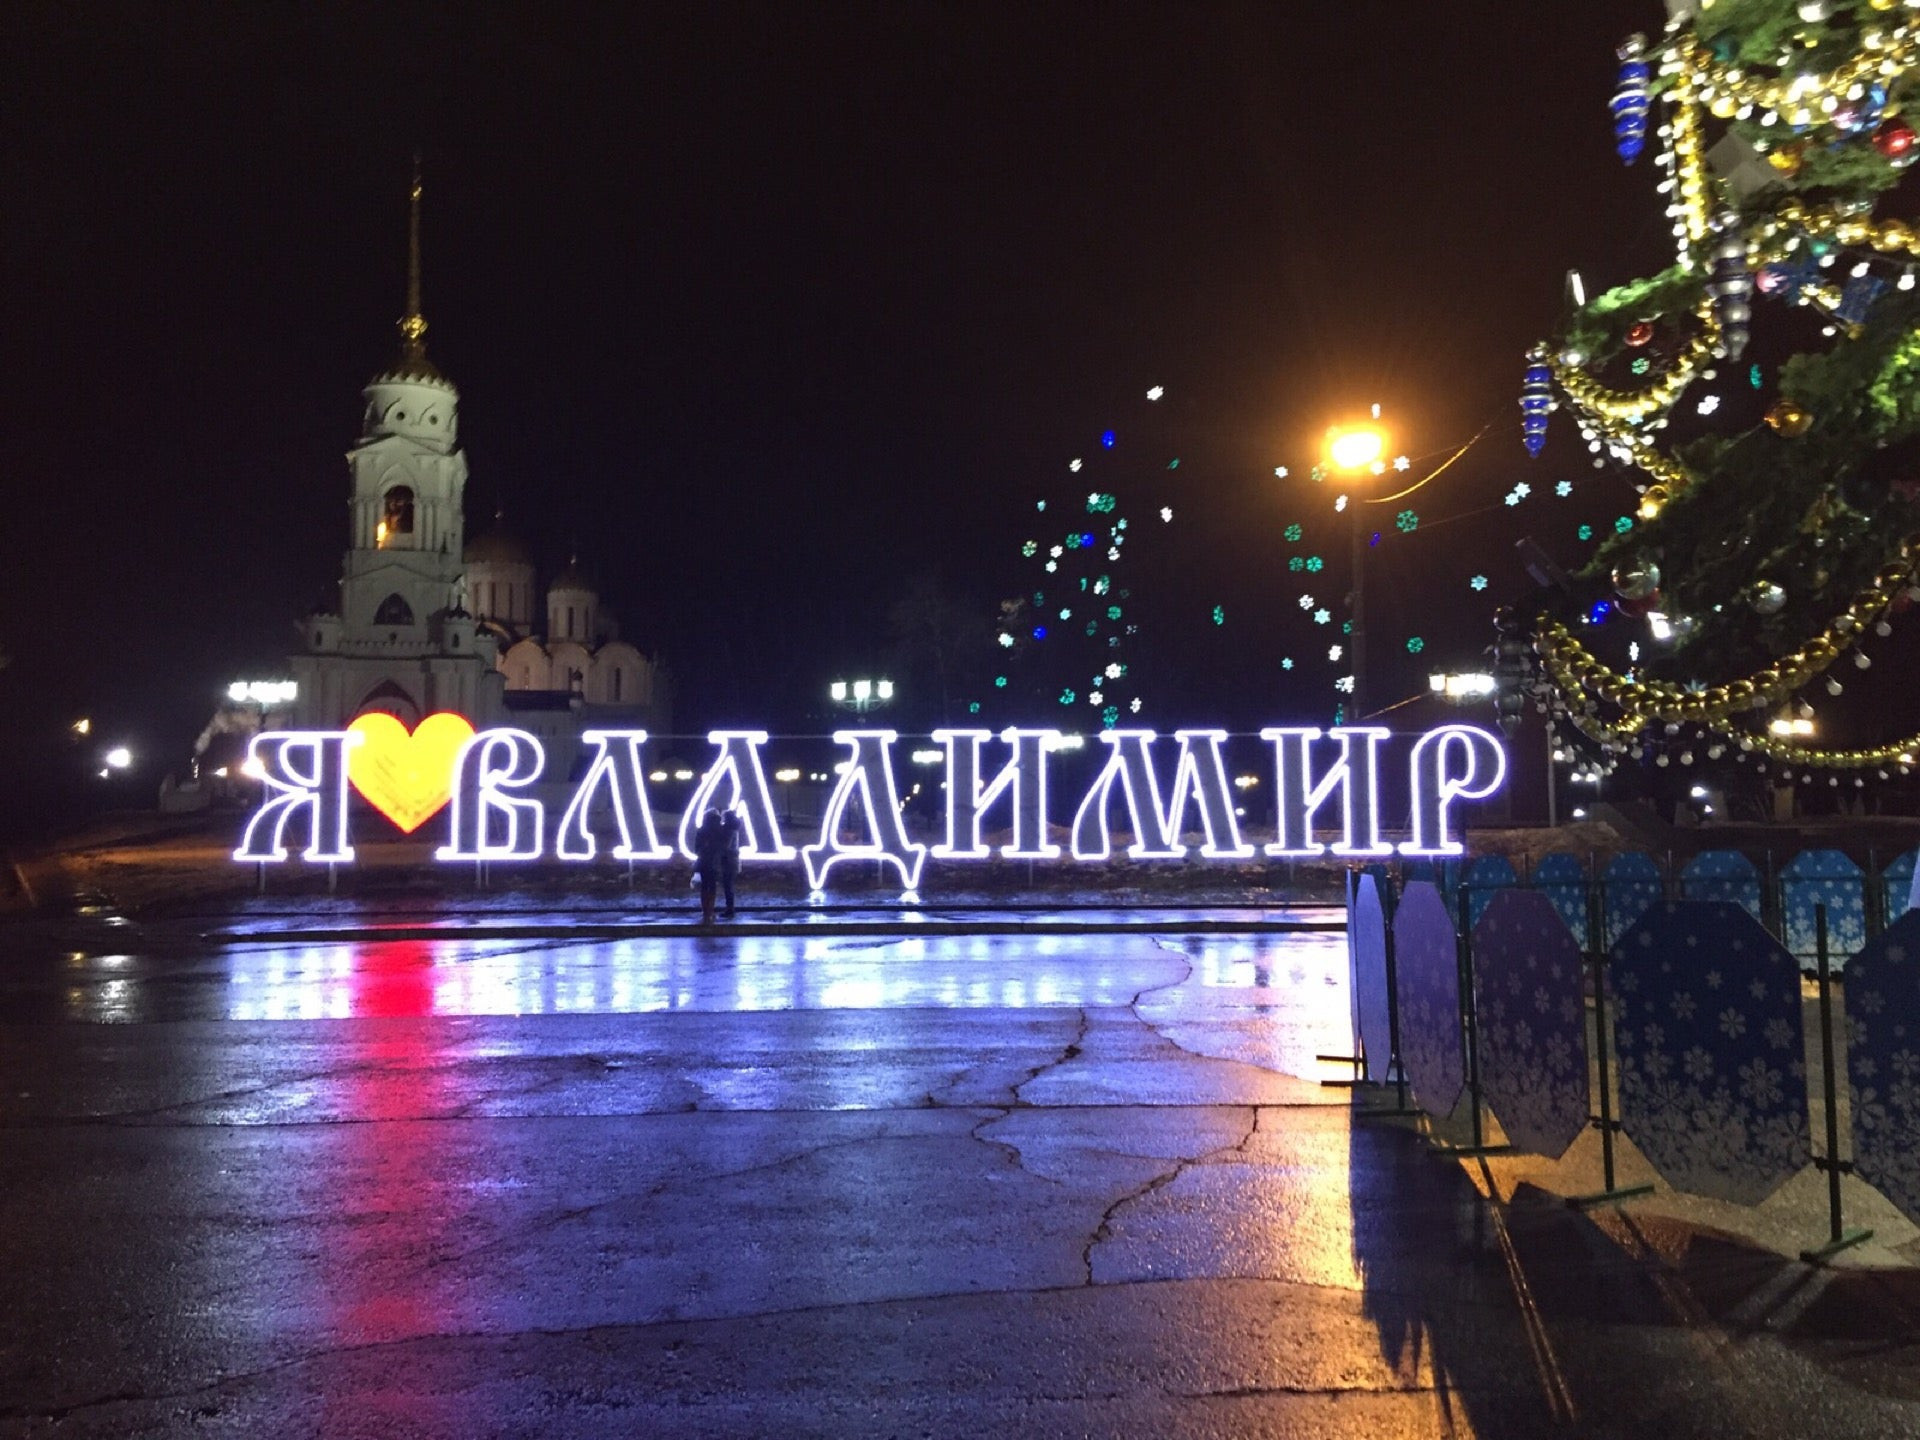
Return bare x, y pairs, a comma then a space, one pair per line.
770, 311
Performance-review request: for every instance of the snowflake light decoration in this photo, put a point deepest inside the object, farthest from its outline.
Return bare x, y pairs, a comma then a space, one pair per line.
1479, 582
1407, 522
1321, 617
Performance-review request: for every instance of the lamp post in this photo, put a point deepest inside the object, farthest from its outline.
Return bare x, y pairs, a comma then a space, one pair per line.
860, 696
1353, 451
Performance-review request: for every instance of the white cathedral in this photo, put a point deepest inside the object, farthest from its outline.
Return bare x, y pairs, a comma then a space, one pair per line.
428, 620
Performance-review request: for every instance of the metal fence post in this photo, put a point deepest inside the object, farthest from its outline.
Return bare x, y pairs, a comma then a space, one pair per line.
1838, 1236
1470, 1029
1609, 1193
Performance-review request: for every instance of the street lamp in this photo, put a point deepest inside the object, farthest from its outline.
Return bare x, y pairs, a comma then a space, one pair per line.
1353, 451
860, 696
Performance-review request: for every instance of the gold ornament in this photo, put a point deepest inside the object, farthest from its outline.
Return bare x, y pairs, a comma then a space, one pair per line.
1785, 161
1789, 419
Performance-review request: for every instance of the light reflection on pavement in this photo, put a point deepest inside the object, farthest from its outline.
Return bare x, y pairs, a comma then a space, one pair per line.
944, 1185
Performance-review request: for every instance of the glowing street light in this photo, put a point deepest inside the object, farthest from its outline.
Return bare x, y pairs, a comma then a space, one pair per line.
860, 696
1355, 450
118, 758
1462, 688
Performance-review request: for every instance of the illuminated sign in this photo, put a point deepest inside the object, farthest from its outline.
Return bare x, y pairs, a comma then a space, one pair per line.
1323, 781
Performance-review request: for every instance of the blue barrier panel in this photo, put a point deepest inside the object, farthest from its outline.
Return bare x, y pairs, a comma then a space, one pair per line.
1883, 1062
1428, 963
1563, 880
1722, 875
1443, 874
1367, 949
1533, 1021
1829, 878
1896, 888
1707, 1021
1630, 884
1486, 876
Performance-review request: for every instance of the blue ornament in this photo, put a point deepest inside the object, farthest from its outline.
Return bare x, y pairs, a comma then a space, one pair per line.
1857, 299
1730, 283
1630, 103
1536, 400
1786, 281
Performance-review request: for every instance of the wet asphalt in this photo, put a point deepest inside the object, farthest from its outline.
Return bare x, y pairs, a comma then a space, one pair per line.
785, 1184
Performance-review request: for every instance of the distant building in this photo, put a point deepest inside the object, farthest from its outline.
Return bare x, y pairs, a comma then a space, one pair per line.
427, 620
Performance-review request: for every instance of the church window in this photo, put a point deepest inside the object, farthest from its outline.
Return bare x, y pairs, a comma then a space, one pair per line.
398, 519
394, 610
618, 676
569, 622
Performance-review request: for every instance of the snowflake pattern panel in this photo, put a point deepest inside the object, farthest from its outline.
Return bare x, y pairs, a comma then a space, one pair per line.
1706, 1017
1533, 1021
1883, 1062
1427, 965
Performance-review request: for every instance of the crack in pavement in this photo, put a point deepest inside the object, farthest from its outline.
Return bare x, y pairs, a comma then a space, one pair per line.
1104, 1230
1071, 1052
1013, 1152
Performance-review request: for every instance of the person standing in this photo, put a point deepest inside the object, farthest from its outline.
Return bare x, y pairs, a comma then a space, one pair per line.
709, 859
732, 830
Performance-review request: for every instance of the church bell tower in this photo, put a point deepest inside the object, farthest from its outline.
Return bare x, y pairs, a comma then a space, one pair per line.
401, 640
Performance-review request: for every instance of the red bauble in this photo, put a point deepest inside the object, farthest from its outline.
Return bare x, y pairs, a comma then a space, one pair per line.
1640, 332
1637, 609
1895, 140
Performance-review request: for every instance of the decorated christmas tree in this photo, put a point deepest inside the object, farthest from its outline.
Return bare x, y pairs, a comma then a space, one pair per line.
1763, 390
1069, 644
